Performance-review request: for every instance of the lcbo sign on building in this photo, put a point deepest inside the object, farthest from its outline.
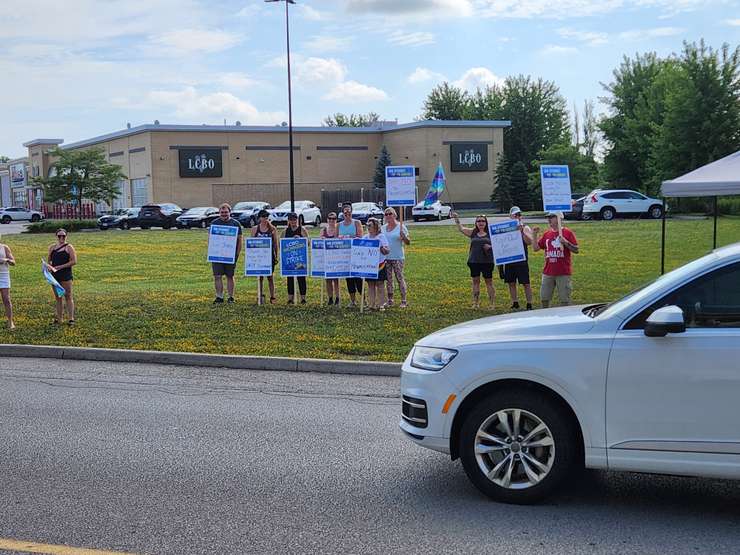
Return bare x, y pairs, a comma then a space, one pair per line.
469, 157
202, 162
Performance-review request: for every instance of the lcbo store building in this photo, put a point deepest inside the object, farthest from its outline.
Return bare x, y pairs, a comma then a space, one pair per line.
203, 165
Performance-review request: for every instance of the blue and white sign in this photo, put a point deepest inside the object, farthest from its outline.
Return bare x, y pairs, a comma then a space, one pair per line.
222, 243
365, 258
507, 242
58, 289
258, 256
294, 257
555, 188
318, 267
337, 258
400, 185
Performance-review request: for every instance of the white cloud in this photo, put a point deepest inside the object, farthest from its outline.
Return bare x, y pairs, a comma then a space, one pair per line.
459, 8
590, 37
235, 80
312, 70
733, 22
250, 11
566, 9
477, 78
558, 50
327, 43
352, 91
188, 41
656, 32
423, 75
417, 38
312, 14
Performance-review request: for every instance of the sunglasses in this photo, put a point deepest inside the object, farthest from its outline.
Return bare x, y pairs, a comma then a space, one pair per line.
480, 221
389, 214
60, 236
332, 218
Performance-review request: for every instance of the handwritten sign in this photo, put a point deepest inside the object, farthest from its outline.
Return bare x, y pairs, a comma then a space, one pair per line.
556, 188
337, 258
365, 258
258, 256
318, 269
400, 185
507, 243
294, 257
222, 243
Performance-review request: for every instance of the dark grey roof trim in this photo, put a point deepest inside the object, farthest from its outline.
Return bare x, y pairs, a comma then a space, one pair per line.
341, 148
36, 142
279, 129
258, 147
135, 150
114, 154
196, 147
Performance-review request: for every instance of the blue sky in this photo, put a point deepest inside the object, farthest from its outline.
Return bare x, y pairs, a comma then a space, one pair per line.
81, 68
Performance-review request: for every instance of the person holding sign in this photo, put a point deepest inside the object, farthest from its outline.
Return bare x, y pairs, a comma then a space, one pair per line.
398, 236
265, 229
558, 242
331, 232
221, 269
62, 257
519, 271
349, 229
376, 287
295, 230
480, 257
6, 260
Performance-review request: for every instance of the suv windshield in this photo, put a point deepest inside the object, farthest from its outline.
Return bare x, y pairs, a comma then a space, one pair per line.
198, 210
245, 205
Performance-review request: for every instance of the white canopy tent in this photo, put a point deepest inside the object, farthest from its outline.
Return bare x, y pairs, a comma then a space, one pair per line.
719, 178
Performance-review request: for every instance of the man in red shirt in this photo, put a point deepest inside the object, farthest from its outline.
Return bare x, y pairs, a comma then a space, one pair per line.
558, 242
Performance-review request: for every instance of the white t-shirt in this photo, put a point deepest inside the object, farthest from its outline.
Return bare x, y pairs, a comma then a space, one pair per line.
383, 243
394, 239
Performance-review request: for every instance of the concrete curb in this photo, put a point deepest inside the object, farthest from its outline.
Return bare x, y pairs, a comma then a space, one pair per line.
324, 366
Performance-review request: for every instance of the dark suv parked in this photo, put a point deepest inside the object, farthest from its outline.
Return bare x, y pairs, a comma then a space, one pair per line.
159, 215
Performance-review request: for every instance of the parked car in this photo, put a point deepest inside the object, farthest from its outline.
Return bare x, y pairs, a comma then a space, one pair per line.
576, 211
200, 216
124, 218
436, 211
364, 210
308, 213
514, 398
610, 203
15, 214
159, 215
246, 212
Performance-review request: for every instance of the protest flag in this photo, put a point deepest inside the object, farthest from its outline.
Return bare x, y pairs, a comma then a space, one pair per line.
436, 188
58, 289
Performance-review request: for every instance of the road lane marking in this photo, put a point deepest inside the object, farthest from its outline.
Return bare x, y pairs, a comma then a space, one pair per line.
7, 544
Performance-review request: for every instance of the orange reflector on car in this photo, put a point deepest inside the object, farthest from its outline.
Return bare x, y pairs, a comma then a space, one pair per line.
448, 403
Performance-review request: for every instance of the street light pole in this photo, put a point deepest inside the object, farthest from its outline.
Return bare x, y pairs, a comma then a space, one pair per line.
290, 105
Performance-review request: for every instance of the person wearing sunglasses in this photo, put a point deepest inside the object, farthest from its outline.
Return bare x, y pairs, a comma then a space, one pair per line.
480, 257
349, 228
398, 236
294, 229
376, 287
62, 257
6, 260
265, 229
331, 231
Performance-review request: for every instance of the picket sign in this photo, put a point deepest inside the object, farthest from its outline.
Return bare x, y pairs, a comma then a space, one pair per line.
222, 243
506, 242
294, 257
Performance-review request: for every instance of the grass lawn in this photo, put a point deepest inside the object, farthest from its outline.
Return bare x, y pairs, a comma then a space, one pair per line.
153, 290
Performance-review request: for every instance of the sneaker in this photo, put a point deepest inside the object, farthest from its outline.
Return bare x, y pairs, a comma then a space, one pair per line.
336, 301
390, 302
529, 306
331, 301
218, 300
514, 306
303, 301
231, 300
403, 304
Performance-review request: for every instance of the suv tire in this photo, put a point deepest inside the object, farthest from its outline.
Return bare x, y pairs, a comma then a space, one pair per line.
6, 219
607, 213
655, 212
317, 221
494, 453
35, 218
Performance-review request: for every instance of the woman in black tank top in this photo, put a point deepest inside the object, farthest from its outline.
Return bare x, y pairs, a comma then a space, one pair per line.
265, 229
62, 257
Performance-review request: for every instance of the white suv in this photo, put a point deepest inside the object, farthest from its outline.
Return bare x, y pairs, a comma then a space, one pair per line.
14, 214
308, 213
607, 204
649, 383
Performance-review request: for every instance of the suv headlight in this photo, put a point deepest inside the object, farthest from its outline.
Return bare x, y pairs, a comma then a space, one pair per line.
431, 358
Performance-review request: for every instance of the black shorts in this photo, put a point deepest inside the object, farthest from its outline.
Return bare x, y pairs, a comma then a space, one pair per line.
221, 269
478, 268
519, 271
382, 276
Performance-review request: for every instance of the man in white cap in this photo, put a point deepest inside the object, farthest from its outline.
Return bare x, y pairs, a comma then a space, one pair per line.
558, 242
519, 271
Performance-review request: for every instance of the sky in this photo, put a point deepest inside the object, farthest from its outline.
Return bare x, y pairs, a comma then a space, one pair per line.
80, 68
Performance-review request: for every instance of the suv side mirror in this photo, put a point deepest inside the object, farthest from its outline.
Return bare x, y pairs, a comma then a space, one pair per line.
663, 321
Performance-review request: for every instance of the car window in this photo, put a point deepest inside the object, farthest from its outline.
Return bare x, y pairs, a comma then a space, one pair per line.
709, 301
635, 196
613, 196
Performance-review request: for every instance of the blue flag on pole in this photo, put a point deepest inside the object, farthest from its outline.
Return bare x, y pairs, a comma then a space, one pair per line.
58, 289
437, 187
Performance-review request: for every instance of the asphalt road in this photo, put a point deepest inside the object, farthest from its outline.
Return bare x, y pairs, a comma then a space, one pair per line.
156, 459
13, 228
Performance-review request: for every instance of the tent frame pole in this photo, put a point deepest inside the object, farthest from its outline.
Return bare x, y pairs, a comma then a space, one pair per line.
716, 212
662, 242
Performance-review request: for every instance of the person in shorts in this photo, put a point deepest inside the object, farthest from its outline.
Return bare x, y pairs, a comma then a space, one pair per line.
480, 257
6, 261
558, 242
519, 271
376, 287
219, 268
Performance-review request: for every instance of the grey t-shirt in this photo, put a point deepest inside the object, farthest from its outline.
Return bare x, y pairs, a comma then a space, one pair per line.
231, 221
477, 254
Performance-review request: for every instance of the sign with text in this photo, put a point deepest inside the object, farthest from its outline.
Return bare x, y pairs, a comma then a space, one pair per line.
556, 188
365, 258
506, 242
258, 256
318, 269
337, 258
469, 157
294, 257
202, 162
222, 243
18, 175
400, 185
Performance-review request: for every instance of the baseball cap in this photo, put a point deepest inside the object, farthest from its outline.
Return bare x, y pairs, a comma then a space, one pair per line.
292, 216
515, 210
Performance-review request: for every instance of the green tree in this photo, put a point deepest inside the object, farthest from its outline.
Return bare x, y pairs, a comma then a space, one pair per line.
519, 187
352, 120
383, 160
583, 169
4, 159
446, 102
81, 174
501, 194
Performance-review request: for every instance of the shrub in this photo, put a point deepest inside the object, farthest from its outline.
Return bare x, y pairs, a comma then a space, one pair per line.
729, 206
50, 226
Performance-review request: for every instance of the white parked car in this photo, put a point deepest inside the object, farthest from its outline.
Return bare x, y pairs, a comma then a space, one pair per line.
14, 214
308, 213
649, 383
435, 211
607, 204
